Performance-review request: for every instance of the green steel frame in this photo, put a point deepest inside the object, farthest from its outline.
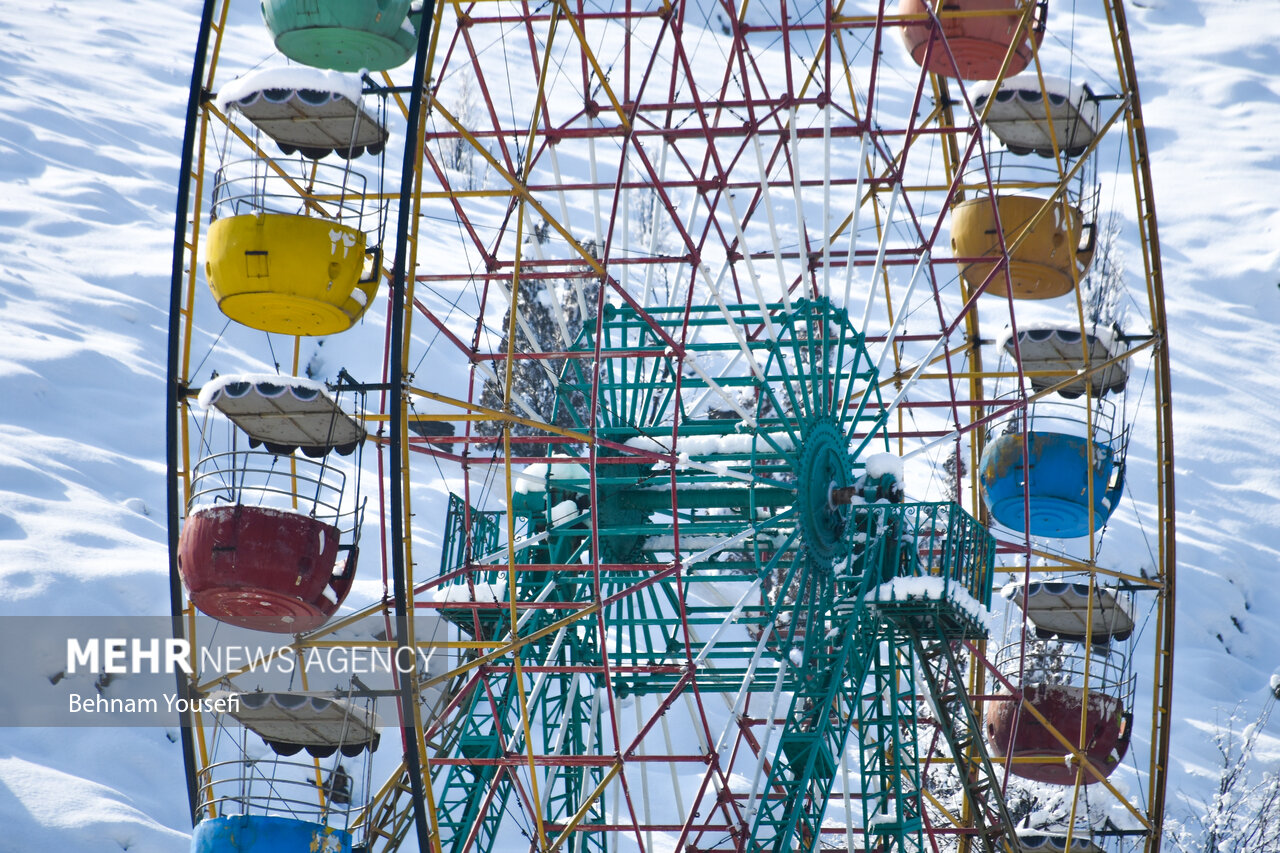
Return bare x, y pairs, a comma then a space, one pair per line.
827, 625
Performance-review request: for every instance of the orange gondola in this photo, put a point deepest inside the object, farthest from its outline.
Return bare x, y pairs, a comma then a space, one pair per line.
973, 37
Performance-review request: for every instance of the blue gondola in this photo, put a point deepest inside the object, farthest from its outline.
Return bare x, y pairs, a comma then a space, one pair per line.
1072, 476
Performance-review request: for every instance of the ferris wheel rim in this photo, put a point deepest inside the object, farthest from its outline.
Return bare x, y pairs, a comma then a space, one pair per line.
800, 289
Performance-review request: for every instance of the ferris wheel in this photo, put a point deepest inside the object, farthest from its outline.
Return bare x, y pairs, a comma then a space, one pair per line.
748, 423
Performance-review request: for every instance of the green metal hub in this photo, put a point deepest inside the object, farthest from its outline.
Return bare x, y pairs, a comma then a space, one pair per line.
617, 517
723, 479
823, 465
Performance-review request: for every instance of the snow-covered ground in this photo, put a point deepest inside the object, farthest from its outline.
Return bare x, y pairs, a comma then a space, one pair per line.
90, 128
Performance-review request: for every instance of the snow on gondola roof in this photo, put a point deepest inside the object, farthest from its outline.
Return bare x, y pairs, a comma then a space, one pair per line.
1062, 609
1017, 113
296, 77
312, 111
284, 412
1046, 348
1060, 86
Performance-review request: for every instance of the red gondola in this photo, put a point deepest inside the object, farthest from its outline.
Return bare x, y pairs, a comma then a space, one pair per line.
269, 542
1070, 672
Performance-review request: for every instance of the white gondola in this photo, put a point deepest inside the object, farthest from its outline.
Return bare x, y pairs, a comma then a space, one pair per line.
284, 413
1019, 118
1061, 609
1049, 354
292, 721
1055, 841
312, 111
